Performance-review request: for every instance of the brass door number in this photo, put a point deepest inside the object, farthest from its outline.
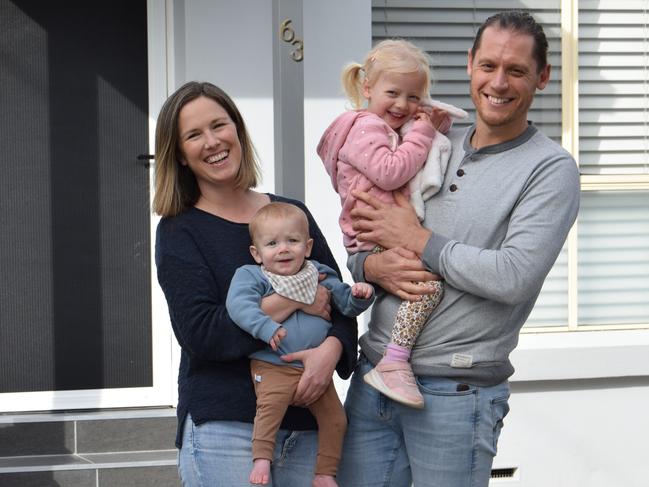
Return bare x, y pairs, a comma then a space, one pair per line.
287, 34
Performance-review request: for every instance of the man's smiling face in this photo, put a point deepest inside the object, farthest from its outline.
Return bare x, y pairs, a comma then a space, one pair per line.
504, 79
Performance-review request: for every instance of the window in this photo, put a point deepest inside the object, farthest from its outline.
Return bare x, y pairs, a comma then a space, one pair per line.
597, 107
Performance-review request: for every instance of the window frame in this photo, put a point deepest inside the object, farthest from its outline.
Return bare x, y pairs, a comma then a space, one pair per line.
591, 182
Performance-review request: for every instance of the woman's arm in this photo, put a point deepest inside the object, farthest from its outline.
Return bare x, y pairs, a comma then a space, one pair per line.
279, 308
196, 303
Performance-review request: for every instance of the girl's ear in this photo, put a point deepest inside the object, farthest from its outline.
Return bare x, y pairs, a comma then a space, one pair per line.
367, 89
309, 246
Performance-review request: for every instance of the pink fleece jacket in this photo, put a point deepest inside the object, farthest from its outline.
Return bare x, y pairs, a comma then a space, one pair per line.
361, 152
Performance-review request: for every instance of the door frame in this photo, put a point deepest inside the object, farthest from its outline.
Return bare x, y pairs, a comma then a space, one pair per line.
164, 353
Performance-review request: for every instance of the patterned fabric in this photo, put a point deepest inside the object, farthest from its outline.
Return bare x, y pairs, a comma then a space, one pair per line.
412, 315
299, 287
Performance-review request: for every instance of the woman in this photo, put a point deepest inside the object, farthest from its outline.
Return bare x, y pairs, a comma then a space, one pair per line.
205, 169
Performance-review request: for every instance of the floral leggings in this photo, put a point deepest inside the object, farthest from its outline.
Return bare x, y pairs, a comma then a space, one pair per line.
412, 315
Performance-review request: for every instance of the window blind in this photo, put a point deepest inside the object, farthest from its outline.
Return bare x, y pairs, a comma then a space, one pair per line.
445, 30
613, 86
613, 258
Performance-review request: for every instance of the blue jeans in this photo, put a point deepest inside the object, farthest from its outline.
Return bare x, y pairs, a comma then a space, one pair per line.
449, 443
219, 454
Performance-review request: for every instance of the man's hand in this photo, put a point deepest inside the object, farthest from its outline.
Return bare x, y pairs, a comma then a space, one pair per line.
397, 271
389, 226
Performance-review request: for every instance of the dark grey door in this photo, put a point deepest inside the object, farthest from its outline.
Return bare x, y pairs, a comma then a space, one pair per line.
75, 291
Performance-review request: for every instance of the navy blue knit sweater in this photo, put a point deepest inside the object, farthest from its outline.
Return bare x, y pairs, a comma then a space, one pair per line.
196, 256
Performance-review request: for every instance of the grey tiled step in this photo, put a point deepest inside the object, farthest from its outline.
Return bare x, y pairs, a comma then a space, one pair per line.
39, 463
116, 477
137, 469
87, 433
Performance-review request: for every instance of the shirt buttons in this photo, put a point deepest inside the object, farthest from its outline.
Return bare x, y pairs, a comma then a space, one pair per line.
453, 188
460, 172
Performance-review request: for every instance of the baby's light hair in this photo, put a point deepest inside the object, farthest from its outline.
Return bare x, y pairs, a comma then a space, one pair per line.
391, 55
274, 211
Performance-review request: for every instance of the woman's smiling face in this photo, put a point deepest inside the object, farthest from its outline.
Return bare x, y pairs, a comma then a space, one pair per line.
209, 142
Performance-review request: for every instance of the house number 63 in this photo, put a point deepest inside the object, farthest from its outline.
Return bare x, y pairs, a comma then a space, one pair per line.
287, 34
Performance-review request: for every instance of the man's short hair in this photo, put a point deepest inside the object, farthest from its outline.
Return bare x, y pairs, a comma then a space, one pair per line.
523, 23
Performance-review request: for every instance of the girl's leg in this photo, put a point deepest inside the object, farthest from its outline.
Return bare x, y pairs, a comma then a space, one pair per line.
412, 316
393, 374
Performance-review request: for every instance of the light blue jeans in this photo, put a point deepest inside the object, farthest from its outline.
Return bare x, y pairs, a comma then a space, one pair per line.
219, 454
449, 443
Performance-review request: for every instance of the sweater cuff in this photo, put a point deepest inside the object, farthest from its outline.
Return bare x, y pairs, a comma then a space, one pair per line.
433, 251
356, 265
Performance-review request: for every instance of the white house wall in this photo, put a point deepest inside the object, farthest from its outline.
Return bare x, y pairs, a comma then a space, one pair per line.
559, 433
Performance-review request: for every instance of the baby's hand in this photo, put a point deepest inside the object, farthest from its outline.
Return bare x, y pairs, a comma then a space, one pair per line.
362, 290
277, 338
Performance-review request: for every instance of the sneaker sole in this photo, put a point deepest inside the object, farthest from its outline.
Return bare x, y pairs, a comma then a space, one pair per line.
373, 379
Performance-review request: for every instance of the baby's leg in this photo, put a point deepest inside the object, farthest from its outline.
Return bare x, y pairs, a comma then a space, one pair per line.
324, 481
260, 474
332, 424
275, 388
393, 375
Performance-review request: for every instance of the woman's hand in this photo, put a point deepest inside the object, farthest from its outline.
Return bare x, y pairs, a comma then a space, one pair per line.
319, 365
397, 271
388, 225
279, 308
321, 305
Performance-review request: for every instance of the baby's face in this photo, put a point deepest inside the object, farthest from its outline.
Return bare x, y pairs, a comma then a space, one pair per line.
281, 245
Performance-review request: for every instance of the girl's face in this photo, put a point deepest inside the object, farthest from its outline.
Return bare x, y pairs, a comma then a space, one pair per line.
395, 97
209, 142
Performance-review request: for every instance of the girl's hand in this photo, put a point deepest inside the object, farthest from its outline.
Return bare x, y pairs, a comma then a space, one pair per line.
440, 119
319, 365
398, 271
277, 338
422, 116
362, 290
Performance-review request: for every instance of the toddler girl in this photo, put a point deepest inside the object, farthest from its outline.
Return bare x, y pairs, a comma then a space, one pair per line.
363, 150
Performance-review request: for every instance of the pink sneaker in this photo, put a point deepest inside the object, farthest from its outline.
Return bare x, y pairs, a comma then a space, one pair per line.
396, 381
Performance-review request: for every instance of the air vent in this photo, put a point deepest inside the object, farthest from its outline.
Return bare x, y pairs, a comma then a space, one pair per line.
503, 473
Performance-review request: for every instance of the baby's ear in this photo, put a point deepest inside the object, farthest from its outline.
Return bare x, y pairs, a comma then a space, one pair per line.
309, 246
255, 254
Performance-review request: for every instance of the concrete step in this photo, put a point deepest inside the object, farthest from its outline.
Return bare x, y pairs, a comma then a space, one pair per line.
90, 449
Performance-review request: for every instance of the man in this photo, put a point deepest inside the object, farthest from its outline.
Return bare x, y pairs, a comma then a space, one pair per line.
493, 232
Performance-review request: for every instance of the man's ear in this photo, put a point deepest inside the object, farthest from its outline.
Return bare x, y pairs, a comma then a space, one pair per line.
469, 63
309, 246
255, 254
544, 77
